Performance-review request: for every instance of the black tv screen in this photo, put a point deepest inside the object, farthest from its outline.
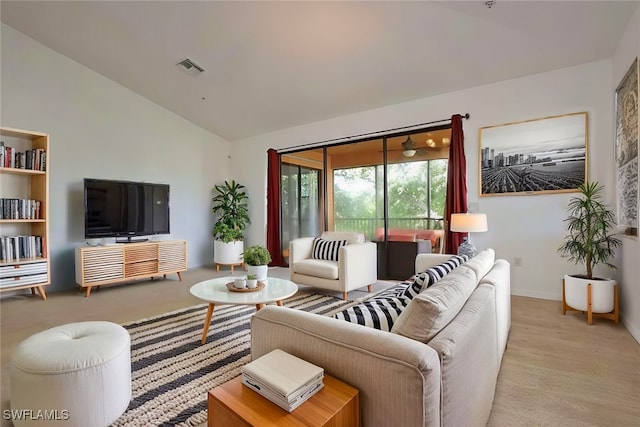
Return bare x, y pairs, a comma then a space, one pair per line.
124, 208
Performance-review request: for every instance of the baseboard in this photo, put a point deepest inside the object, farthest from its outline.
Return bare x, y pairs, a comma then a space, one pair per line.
533, 294
635, 332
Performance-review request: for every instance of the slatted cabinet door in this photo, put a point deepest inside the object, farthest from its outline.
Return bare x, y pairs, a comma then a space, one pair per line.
104, 264
172, 256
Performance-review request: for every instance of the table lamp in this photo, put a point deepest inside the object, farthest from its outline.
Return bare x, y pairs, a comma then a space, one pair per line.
468, 223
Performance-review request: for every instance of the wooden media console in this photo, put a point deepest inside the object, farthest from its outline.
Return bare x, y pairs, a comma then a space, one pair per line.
104, 265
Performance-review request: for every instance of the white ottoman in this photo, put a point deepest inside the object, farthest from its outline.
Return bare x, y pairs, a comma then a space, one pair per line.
77, 374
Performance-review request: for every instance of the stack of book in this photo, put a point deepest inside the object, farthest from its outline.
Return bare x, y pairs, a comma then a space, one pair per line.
284, 379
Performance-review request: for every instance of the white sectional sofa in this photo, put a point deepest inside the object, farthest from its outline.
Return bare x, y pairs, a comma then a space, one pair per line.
438, 365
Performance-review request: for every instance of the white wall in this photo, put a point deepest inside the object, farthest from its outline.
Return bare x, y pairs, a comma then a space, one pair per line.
100, 129
629, 260
530, 227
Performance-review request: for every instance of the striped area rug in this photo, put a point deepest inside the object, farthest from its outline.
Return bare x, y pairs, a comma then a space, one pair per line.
172, 372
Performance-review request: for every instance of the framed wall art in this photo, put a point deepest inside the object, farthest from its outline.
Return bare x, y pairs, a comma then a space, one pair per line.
546, 155
627, 150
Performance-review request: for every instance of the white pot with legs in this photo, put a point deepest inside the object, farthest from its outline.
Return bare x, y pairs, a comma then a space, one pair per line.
228, 253
602, 294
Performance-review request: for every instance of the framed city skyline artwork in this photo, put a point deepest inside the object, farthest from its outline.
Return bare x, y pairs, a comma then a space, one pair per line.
627, 150
545, 155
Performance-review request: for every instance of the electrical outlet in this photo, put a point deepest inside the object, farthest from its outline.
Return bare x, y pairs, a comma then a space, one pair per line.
517, 261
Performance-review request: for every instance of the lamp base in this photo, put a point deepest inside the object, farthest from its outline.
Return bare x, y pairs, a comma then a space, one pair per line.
467, 248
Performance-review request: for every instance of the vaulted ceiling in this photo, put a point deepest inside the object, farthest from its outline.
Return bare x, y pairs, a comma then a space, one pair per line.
273, 65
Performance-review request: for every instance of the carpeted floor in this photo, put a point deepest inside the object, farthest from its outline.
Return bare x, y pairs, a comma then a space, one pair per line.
172, 372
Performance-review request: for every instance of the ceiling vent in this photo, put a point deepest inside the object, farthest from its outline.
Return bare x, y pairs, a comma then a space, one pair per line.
190, 66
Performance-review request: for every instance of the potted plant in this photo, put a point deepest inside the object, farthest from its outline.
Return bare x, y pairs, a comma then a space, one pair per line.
252, 281
590, 242
229, 204
256, 258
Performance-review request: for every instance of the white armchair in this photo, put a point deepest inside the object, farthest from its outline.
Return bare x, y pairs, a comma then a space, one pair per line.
355, 268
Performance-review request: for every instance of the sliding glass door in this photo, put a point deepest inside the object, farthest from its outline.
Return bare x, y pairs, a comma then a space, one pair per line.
301, 206
392, 189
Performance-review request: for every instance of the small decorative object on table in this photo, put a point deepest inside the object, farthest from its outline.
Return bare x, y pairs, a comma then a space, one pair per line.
239, 283
252, 281
283, 378
257, 257
231, 286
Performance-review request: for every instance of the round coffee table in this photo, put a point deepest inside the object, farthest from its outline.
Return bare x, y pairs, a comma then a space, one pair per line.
214, 291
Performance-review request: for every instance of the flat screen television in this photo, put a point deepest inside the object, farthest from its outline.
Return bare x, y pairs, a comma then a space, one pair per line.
125, 208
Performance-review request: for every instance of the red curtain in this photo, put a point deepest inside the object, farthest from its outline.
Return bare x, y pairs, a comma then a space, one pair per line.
456, 183
273, 208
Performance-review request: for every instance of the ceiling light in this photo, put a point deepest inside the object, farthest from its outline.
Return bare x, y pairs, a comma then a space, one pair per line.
409, 147
446, 141
431, 142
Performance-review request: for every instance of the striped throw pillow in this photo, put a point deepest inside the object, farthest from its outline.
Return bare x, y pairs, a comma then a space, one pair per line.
378, 313
412, 290
327, 249
396, 291
435, 273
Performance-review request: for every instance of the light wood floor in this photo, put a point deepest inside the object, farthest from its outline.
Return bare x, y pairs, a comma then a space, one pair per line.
557, 370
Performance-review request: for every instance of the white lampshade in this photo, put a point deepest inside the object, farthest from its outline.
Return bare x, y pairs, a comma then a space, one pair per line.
468, 223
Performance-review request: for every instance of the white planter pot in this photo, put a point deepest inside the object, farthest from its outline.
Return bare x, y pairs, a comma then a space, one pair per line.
228, 253
602, 294
259, 270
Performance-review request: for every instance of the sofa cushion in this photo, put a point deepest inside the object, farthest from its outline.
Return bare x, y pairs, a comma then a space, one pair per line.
431, 275
378, 313
317, 268
435, 307
326, 249
482, 262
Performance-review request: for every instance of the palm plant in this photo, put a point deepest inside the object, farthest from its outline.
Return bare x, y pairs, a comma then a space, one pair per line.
588, 240
230, 205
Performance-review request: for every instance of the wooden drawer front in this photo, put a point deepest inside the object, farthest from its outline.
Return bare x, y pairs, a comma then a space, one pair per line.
33, 279
145, 252
143, 268
17, 270
172, 256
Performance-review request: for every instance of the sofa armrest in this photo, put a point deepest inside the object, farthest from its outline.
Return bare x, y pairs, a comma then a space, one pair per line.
358, 265
300, 249
468, 350
500, 278
398, 378
424, 261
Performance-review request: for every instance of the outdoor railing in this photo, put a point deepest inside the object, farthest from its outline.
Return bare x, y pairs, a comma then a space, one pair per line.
368, 226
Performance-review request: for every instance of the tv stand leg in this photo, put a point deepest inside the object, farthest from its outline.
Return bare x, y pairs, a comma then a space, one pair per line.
88, 292
179, 276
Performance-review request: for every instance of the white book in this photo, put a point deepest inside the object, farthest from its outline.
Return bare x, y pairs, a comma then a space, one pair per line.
282, 372
258, 385
287, 405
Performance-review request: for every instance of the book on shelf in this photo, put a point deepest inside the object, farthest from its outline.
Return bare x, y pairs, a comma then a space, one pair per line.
16, 248
33, 159
19, 208
283, 378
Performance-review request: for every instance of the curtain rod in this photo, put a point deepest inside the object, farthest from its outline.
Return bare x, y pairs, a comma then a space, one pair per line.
364, 135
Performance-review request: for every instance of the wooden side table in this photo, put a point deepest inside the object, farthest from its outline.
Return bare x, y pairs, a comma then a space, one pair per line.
234, 404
